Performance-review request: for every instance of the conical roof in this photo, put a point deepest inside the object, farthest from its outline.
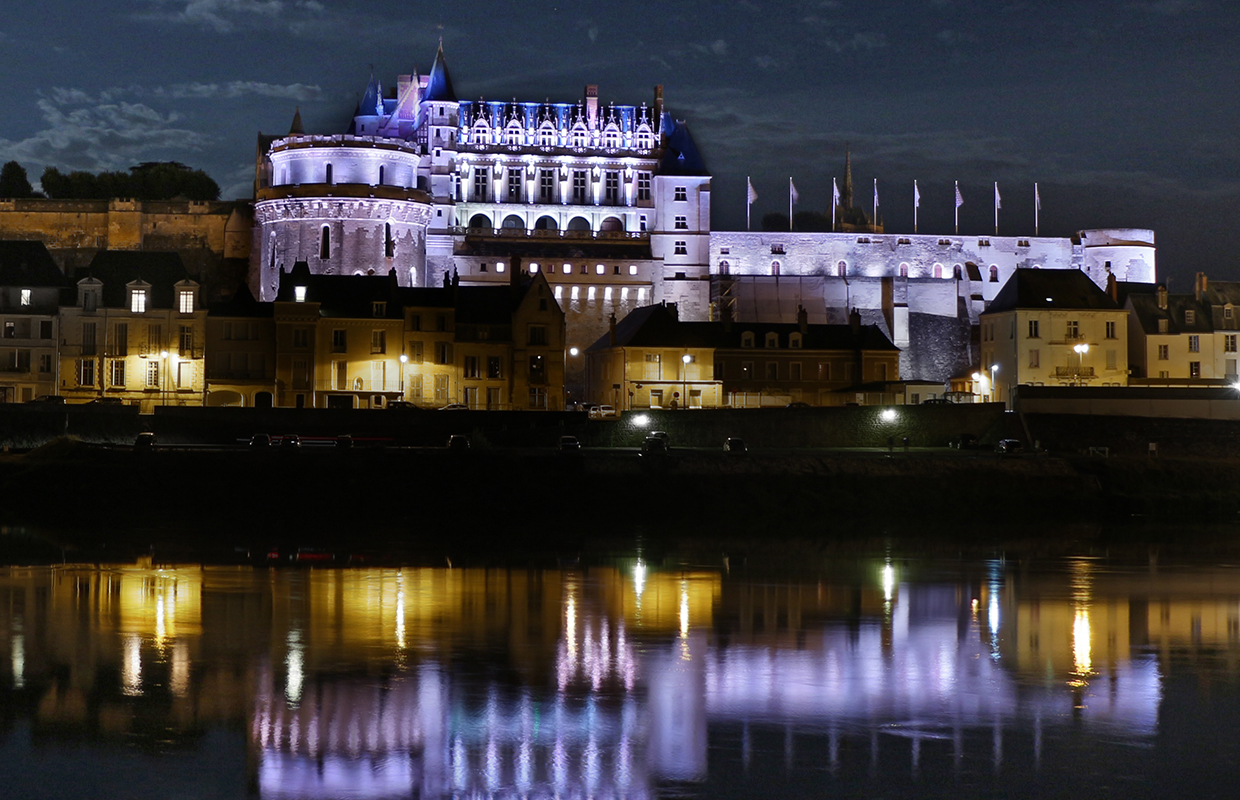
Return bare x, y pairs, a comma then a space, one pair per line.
296, 128
439, 84
680, 155
372, 100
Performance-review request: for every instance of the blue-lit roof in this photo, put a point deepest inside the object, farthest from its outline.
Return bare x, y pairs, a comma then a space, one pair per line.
439, 84
372, 100
681, 156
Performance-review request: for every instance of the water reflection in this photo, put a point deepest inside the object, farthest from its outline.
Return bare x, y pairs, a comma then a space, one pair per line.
606, 682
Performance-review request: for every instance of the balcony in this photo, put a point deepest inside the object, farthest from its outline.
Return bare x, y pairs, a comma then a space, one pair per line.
542, 234
1074, 373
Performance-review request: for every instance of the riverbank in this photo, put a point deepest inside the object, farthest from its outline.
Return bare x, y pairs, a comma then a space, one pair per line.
380, 499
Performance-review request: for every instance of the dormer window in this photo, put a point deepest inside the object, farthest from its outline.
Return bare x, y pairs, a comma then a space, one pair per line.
1190, 317
772, 340
25, 297
747, 339
299, 294
185, 301
137, 301
1228, 312
794, 341
379, 309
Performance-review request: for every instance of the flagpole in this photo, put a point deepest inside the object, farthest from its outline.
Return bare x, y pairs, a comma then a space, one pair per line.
1037, 206
996, 208
875, 220
835, 199
916, 202
748, 202
789, 203
956, 199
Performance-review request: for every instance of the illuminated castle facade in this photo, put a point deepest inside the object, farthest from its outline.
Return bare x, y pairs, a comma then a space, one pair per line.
612, 203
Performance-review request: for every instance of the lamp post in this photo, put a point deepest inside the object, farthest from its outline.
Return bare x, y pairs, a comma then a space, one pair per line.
993, 369
684, 379
404, 359
1081, 349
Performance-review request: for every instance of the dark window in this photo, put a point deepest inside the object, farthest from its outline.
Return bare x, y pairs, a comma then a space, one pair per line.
538, 335
538, 369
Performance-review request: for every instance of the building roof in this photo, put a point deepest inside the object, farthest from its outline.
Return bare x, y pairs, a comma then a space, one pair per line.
439, 82
658, 326
372, 100
25, 263
1050, 288
1148, 313
680, 154
241, 304
119, 268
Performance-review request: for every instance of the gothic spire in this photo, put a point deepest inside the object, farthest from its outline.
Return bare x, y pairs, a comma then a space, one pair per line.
439, 84
296, 129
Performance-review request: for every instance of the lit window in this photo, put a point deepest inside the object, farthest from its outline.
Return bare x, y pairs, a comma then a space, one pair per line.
1194, 344
624, 294
641, 294
576, 292
600, 269
25, 300
607, 293
533, 268
137, 301
499, 266
568, 269
590, 293
559, 292
632, 269
185, 302
299, 294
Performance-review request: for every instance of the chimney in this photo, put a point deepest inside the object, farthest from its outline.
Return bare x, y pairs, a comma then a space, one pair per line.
854, 319
592, 106
1162, 297
514, 271
1199, 288
1112, 287
674, 310
611, 330
803, 320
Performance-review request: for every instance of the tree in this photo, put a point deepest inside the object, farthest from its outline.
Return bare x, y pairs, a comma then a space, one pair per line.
150, 181
13, 181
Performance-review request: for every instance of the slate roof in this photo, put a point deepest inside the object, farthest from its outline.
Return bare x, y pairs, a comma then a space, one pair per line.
118, 268
28, 264
680, 155
1050, 288
439, 83
1145, 307
657, 326
242, 304
372, 101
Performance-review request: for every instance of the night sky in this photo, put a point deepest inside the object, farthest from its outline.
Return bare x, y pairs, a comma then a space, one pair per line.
1124, 111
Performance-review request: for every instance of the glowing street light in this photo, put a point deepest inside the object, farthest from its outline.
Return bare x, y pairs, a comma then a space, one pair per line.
1081, 349
404, 359
684, 379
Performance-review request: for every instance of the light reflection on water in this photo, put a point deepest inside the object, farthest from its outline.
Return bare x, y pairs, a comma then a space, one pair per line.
619, 681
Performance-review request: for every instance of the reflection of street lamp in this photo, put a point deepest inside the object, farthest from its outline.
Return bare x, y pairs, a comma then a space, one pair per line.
404, 359
977, 381
684, 378
163, 380
1081, 350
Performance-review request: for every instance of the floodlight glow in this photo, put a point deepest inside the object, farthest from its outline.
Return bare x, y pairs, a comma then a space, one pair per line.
977, 376
572, 351
404, 359
686, 358
641, 420
888, 415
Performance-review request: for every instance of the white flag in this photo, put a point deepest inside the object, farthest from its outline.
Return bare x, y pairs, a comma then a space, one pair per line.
959, 198
835, 192
1037, 200
916, 196
876, 193
792, 189
998, 204
752, 194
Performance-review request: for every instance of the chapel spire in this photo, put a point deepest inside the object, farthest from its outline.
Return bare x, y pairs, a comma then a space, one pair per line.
296, 129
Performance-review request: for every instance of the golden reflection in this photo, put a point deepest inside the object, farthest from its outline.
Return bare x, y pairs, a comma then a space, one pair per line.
1082, 643
131, 665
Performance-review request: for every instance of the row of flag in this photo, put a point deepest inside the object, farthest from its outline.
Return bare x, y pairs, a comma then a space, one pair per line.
794, 197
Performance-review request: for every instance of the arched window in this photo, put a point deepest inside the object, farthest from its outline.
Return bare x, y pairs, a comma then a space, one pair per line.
546, 135
327, 174
994, 274
774, 267
723, 268
380, 174
389, 244
841, 269
325, 244
956, 272
904, 270
580, 137
938, 270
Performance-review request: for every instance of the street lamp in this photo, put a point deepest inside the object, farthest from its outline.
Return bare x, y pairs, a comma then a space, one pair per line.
1081, 349
404, 359
684, 378
993, 369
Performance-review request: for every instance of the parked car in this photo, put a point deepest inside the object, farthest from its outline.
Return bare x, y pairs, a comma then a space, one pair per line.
667, 440
965, 441
653, 447
290, 441
458, 442
1010, 446
934, 401
798, 404
734, 446
402, 405
455, 407
105, 401
602, 411
145, 441
344, 441
569, 444
260, 440
50, 399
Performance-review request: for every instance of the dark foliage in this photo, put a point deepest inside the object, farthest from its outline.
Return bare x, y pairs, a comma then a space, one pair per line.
159, 180
13, 181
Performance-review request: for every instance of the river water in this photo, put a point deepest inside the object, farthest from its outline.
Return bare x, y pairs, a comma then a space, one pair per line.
884, 676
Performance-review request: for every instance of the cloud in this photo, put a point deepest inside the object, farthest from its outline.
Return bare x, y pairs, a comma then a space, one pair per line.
765, 62
234, 89
225, 16
719, 47
953, 37
80, 135
862, 40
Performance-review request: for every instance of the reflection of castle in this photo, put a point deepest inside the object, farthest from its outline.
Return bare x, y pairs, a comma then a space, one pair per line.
368, 678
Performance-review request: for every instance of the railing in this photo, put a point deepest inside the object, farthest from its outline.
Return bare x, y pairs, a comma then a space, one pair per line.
1074, 372
542, 233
